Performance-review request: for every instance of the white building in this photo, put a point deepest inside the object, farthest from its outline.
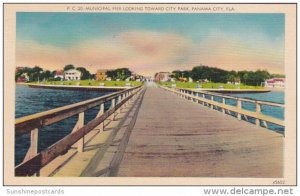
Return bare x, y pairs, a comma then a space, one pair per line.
72, 74
275, 83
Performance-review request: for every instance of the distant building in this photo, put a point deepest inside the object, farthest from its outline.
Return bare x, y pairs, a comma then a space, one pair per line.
23, 78
101, 74
135, 77
182, 79
162, 77
59, 74
72, 74
275, 83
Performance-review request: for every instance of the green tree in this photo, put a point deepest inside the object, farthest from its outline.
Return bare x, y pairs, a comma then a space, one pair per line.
120, 73
85, 74
177, 74
47, 74
186, 74
254, 78
277, 76
211, 73
68, 67
36, 74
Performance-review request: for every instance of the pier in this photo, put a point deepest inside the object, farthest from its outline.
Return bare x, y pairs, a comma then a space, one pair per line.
157, 132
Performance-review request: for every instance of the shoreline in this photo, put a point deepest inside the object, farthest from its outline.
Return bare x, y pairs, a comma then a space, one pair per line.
230, 90
276, 89
77, 87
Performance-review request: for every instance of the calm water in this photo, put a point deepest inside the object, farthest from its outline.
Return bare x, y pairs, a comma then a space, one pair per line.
276, 96
33, 100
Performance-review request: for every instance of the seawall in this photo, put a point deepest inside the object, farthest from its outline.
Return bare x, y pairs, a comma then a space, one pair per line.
232, 90
82, 88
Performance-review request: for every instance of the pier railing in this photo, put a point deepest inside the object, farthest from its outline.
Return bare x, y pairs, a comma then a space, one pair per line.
31, 124
207, 99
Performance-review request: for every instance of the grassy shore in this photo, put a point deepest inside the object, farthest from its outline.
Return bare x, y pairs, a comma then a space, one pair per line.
209, 85
90, 83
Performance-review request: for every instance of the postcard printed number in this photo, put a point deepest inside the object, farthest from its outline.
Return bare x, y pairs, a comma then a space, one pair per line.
279, 182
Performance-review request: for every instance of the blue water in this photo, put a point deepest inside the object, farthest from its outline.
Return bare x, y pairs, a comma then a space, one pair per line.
33, 100
273, 96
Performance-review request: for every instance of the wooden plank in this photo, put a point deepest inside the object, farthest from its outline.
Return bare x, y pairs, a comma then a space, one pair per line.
190, 140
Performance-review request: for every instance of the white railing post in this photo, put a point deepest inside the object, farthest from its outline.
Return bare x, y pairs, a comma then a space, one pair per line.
203, 102
212, 99
258, 108
239, 106
223, 102
33, 148
78, 125
258, 111
101, 112
119, 101
197, 95
113, 104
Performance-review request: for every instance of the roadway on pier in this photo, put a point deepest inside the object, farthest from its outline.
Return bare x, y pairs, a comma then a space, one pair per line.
176, 137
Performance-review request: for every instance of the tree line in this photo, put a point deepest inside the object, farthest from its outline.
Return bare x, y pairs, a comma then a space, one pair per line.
38, 74
120, 73
213, 74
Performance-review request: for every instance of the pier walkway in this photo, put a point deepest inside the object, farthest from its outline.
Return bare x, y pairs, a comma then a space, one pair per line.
160, 134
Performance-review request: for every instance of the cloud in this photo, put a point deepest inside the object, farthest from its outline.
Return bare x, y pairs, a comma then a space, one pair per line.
162, 46
235, 52
140, 50
147, 52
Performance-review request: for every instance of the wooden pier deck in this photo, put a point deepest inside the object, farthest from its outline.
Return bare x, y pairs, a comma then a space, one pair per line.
165, 135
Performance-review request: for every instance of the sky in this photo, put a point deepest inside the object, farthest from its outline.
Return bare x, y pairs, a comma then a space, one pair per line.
149, 43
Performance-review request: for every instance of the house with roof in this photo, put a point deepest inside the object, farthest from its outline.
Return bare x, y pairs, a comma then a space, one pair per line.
23, 78
275, 83
59, 74
72, 74
101, 74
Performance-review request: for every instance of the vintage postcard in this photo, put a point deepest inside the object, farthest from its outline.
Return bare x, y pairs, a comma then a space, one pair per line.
150, 94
